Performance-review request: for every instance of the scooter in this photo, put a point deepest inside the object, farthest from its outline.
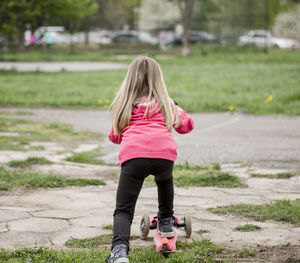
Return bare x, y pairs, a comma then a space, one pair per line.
164, 245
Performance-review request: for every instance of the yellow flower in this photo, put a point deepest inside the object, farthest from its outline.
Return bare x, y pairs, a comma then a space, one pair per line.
269, 99
107, 101
231, 108
100, 101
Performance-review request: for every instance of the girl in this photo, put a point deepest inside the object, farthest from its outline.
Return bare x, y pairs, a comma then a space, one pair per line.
143, 116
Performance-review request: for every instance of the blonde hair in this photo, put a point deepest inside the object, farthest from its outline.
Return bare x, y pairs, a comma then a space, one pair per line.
144, 79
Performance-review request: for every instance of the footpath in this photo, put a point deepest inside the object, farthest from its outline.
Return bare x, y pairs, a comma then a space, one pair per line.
240, 143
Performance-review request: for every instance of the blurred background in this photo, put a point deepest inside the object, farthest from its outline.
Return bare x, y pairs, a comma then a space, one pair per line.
216, 55
153, 24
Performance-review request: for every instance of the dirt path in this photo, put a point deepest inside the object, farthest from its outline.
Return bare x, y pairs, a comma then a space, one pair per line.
49, 217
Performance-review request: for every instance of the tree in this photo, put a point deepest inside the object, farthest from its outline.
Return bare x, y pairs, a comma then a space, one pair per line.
186, 9
229, 19
115, 14
73, 16
156, 15
15, 15
288, 24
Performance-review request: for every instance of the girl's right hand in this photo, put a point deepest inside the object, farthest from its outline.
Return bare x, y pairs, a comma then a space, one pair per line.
186, 123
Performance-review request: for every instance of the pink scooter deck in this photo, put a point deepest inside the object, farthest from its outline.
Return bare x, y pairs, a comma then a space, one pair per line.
164, 244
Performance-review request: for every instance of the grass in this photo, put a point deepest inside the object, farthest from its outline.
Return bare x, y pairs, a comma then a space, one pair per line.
41, 255
221, 80
245, 253
89, 242
90, 157
202, 231
248, 228
218, 180
286, 245
281, 210
34, 131
194, 252
292, 260
92, 242
16, 113
187, 252
62, 53
273, 176
108, 227
187, 175
29, 162
9, 180
195, 175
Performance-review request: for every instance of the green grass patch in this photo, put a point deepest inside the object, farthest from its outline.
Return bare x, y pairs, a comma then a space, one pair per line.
90, 157
198, 251
92, 242
9, 180
33, 131
286, 245
292, 260
194, 175
16, 113
29, 162
188, 175
42, 255
221, 80
194, 252
245, 253
281, 210
108, 227
248, 228
273, 176
113, 53
202, 231
216, 166
36, 148
89, 242
219, 180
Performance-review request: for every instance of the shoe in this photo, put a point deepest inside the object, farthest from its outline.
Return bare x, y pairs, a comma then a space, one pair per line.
119, 254
166, 227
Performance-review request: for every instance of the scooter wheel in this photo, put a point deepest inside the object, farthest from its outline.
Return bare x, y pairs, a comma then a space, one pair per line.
188, 226
145, 227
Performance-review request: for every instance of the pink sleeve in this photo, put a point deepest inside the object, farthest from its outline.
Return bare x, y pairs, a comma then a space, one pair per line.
186, 122
117, 139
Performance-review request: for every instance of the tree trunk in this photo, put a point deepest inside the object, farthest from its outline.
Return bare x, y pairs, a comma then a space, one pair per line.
266, 18
21, 39
86, 34
187, 22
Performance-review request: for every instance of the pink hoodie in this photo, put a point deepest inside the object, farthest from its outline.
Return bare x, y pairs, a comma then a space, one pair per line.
149, 137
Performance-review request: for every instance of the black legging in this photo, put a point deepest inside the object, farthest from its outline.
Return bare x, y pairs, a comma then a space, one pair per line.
133, 173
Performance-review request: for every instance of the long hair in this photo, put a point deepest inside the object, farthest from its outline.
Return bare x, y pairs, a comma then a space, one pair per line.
144, 79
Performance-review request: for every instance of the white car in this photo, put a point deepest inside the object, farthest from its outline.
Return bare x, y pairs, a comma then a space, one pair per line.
262, 38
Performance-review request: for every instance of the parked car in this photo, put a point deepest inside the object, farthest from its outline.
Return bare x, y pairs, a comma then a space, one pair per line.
263, 38
100, 37
202, 36
170, 38
132, 36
